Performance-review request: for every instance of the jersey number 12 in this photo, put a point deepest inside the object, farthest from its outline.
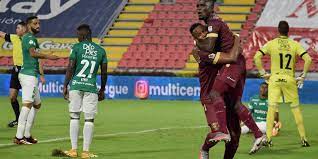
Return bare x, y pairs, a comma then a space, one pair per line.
288, 57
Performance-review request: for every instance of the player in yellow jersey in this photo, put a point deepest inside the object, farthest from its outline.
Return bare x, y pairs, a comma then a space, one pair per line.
15, 86
283, 52
17, 57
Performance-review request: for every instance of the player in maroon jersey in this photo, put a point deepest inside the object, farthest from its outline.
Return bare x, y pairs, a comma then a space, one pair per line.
231, 78
207, 77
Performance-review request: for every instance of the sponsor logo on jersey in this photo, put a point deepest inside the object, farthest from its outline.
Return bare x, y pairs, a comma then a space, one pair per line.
210, 28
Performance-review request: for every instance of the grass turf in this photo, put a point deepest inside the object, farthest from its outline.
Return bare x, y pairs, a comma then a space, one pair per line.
180, 140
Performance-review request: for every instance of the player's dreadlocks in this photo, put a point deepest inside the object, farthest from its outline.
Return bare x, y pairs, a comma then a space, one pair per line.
84, 32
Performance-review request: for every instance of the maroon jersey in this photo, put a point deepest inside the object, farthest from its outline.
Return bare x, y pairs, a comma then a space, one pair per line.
224, 43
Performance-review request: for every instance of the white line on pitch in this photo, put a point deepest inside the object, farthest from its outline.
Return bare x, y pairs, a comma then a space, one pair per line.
113, 134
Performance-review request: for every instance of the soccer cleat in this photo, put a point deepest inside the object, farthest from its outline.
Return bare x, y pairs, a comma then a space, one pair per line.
13, 123
21, 141
31, 140
304, 143
219, 136
268, 143
71, 153
258, 144
203, 154
87, 155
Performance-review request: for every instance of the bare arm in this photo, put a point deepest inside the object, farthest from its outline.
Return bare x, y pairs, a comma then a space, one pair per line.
41, 72
68, 76
221, 57
39, 55
103, 76
231, 57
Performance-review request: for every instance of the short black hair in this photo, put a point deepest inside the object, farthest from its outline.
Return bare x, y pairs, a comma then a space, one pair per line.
84, 27
193, 26
22, 23
29, 19
283, 27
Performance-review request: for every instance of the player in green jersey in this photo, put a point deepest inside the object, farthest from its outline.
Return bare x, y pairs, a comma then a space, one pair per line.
258, 106
28, 78
85, 59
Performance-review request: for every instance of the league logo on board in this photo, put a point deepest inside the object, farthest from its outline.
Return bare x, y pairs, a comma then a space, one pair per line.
141, 89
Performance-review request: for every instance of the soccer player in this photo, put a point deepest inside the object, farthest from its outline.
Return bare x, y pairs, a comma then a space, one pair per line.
207, 74
17, 56
85, 59
28, 78
283, 52
258, 106
15, 85
231, 78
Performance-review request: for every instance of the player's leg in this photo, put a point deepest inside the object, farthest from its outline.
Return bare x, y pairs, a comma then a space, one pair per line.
235, 130
15, 106
217, 99
90, 101
274, 95
245, 129
30, 120
290, 91
277, 124
28, 84
14, 90
262, 126
75, 105
242, 111
213, 124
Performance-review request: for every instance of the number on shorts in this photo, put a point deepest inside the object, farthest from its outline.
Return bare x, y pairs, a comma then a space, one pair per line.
84, 68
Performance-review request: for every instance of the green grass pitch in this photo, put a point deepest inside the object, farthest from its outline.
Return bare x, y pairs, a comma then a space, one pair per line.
132, 129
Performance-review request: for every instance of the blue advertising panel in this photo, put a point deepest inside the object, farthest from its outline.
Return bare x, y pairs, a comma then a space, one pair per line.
157, 88
59, 18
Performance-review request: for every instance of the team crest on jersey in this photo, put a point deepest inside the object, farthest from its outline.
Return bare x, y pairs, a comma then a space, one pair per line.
210, 28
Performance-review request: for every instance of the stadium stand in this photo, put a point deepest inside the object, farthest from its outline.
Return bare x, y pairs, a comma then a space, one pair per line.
165, 34
125, 28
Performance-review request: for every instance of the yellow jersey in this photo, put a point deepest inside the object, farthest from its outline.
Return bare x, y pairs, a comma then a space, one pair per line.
283, 52
17, 50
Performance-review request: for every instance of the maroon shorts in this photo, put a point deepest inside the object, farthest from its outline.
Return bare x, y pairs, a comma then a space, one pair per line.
231, 80
231, 74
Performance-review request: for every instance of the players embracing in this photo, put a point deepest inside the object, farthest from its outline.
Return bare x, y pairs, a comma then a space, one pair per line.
228, 84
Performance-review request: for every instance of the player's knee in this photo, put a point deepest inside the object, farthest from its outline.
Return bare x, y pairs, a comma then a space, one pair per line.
28, 104
13, 98
37, 106
89, 117
75, 115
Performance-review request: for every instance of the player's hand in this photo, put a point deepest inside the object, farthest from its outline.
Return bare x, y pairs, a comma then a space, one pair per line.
101, 95
300, 80
42, 79
65, 93
195, 54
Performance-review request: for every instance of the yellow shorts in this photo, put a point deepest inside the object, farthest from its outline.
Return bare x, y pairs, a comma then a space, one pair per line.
282, 85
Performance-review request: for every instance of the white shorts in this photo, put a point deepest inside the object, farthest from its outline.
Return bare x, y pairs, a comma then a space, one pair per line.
30, 90
260, 125
83, 102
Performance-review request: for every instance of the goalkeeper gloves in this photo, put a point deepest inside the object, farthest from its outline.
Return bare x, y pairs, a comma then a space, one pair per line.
300, 80
264, 75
